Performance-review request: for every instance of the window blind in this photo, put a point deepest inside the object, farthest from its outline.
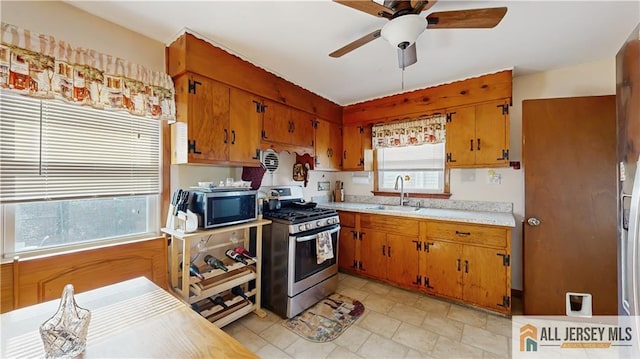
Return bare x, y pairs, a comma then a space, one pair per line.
423, 165
53, 150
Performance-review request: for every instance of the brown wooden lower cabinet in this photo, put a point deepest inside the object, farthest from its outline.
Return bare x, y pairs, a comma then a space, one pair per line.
460, 261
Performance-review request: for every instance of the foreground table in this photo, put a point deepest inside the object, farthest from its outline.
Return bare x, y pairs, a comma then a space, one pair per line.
134, 318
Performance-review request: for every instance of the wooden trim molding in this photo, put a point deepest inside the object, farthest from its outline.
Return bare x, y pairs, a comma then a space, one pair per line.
431, 100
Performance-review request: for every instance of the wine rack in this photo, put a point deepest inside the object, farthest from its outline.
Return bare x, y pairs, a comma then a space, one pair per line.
217, 282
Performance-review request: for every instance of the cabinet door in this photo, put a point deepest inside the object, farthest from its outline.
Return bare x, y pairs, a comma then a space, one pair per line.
323, 144
352, 155
402, 263
347, 248
302, 129
441, 263
245, 119
484, 277
335, 146
461, 140
276, 122
207, 117
373, 253
492, 133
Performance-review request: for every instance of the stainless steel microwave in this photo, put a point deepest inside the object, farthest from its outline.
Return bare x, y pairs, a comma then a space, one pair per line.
223, 208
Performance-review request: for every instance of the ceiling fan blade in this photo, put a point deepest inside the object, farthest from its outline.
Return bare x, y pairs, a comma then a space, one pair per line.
356, 44
407, 56
370, 7
421, 5
466, 19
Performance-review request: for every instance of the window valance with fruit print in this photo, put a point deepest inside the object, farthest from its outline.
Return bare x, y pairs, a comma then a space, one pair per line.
42, 66
429, 129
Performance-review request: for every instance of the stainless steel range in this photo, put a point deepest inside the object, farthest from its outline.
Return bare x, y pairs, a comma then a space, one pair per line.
293, 276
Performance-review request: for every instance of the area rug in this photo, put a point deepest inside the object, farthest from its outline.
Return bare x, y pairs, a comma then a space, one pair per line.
327, 319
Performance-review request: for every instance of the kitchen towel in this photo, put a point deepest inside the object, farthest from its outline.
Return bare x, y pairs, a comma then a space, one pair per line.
324, 247
253, 174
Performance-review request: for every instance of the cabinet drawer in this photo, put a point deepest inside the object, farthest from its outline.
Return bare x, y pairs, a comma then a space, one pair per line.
347, 219
492, 236
390, 224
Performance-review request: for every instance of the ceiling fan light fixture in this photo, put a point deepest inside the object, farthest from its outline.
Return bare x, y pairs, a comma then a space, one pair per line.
404, 30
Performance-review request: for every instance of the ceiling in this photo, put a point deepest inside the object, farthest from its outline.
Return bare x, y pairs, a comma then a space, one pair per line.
293, 39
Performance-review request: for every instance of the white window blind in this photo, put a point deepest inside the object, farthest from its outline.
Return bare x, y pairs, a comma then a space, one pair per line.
53, 150
421, 166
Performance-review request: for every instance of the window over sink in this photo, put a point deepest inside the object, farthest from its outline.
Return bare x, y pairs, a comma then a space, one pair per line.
421, 167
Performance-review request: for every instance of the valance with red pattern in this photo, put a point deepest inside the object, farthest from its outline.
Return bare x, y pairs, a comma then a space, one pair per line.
41, 66
428, 129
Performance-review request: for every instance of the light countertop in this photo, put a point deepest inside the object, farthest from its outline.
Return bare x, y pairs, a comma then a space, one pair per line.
505, 219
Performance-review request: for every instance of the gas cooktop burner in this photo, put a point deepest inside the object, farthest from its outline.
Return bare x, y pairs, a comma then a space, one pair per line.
297, 215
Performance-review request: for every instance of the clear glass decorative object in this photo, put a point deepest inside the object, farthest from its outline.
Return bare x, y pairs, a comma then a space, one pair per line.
65, 333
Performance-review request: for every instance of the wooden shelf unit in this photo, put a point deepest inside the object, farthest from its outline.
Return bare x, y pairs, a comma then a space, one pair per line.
216, 281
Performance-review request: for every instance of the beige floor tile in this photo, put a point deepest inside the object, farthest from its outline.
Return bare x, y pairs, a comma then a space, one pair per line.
403, 296
447, 348
249, 339
440, 324
343, 353
303, 348
353, 293
416, 338
488, 355
352, 338
485, 340
414, 354
279, 336
257, 324
467, 315
379, 347
408, 314
432, 305
271, 352
499, 325
376, 288
378, 303
352, 281
379, 324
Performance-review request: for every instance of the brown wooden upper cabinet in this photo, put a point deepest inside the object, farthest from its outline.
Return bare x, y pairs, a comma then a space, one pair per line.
284, 125
222, 126
356, 139
328, 145
478, 136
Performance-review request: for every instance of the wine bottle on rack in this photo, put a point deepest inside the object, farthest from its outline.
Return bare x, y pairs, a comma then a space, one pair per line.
215, 263
235, 256
237, 290
243, 252
194, 271
219, 301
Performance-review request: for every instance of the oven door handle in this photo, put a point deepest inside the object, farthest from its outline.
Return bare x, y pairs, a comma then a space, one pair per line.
314, 236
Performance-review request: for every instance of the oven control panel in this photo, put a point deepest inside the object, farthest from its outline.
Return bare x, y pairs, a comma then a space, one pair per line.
313, 224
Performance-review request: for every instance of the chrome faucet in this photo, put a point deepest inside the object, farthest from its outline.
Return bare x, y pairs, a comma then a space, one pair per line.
402, 194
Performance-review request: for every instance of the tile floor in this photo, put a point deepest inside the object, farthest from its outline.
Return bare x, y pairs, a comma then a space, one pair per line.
396, 324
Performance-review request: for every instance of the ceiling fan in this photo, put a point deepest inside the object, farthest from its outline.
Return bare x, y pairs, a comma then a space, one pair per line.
405, 24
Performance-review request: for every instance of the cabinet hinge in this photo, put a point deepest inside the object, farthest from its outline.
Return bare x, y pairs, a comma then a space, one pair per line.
192, 86
506, 259
360, 265
312, 143
426, 283
257, 156
505, 109
315, 123
427, 246
418, 280
355, 263
258, 106
449, 115
505, 155
506, 301
418, 245
361, 129
263, 134
449, 159
191, 147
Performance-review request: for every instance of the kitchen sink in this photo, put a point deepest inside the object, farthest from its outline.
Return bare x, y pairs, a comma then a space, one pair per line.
394, 208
